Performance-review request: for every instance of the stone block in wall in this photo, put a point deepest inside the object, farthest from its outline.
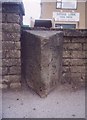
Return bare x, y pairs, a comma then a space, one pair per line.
13, 18
74, 62
0, 16
72, 46
3, 86
11, 62
14, 70
77, 80
75, 33
0, 62
11, 8
11, 78
66, 54
66, 69
67, 39
71, 54
0, 54
11, 54
74, 69
1, 30
77, 69
85, 46
11, 36
11, 27
78, 75
79, 39
10, 45
15, 85
42, 56
0, 71
4, 17
78, 54
5, 70
10, 18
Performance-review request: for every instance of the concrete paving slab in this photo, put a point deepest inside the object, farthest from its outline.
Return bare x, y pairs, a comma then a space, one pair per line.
63, 102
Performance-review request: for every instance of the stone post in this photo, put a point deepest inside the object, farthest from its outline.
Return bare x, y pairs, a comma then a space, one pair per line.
42, 59
12, 17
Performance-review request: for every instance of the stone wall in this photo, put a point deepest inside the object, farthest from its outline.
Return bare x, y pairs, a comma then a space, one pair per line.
11, 47
75, 57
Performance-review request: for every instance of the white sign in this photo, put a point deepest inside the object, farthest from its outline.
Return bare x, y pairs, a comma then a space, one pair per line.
69, 4
66, 16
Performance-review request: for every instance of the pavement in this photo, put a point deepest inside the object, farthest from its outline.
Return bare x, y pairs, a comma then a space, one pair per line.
63, 102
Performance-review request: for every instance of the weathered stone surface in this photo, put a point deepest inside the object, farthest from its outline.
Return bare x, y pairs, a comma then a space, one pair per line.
66, 54
42, 62
11, 8
0, 71
85, 46
11, 78
4, 17
5, 70
77, 80
3, 86
15, 70
78, 54
75, 33
72, 46
12, 18
66, 69
78, 69
11, 54
73, 62
11, 27
9, 45
11, 62
74, 54
74, 58
0, 14
67, 39
15, 85
10, 36
0, 62
79, 40
0, 54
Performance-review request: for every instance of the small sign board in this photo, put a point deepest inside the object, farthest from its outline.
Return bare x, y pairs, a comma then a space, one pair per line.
67, 4
66, 16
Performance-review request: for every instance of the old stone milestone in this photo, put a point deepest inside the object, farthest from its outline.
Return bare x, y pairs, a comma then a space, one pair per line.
42, 59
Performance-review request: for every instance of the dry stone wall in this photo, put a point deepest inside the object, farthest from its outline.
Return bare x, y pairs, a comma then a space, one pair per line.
75, 58
11, 46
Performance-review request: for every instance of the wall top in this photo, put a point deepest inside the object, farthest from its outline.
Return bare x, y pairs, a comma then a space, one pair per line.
66, 32
14, 2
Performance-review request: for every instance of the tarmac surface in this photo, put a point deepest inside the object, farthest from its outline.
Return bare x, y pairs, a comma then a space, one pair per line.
63, 102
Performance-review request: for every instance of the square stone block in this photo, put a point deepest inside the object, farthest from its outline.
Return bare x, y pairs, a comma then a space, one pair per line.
42, 59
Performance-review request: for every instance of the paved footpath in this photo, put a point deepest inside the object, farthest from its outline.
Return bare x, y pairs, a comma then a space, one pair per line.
63, 102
